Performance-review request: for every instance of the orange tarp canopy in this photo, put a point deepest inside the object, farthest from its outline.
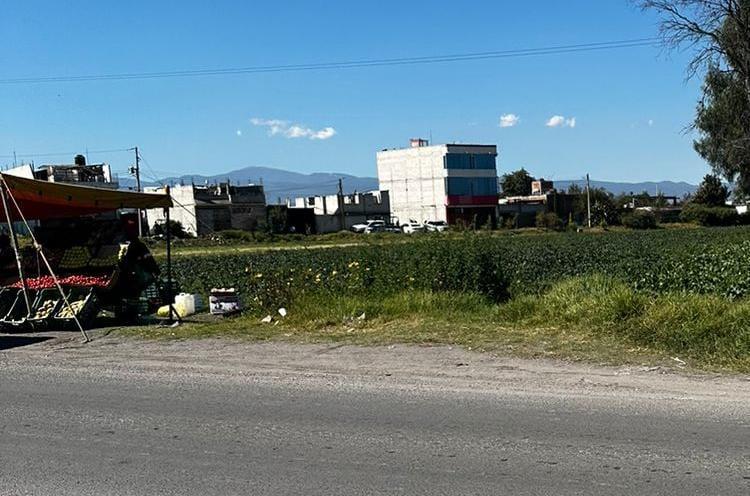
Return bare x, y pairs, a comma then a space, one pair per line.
46, 200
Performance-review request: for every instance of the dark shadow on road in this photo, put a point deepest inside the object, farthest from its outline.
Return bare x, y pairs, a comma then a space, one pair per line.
10, 342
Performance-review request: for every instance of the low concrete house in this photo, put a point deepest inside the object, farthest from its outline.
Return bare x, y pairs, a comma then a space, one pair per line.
203, 210
339, 213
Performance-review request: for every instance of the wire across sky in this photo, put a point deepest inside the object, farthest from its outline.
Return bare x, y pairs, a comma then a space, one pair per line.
327, 66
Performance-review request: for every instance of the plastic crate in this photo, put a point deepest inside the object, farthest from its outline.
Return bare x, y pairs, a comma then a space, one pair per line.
17, 317
107, 256
85, 312
75, 257
53, 300
7, 298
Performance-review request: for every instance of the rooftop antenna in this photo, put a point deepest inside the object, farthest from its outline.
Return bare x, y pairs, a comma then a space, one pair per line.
14, 158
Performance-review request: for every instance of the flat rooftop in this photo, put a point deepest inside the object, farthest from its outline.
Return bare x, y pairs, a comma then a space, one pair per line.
441, 145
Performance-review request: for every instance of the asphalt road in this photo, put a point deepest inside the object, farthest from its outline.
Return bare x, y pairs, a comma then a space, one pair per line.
113, 419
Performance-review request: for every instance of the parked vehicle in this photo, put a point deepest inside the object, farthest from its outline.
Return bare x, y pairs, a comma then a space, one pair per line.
435, 225
412, 227
360, 228
376, 227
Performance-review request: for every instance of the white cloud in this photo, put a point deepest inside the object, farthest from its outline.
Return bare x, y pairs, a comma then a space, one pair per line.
293, 131
650, 122
239, 132
296, 132
324, 134
555, 121
561, 121
509, 120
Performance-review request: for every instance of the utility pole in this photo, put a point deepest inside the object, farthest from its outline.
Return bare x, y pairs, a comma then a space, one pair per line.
341, 205
136, 171
588, 199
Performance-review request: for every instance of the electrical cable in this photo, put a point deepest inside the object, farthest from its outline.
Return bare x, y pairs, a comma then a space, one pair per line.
50, 154
499, 54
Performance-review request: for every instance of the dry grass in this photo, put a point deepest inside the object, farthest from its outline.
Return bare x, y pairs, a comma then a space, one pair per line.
594, 319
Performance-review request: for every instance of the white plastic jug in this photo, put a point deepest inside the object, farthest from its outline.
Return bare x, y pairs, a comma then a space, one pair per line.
185, 302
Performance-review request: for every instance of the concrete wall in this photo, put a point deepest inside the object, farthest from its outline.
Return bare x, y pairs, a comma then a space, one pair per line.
217, 208
415, 179
247, 217
185, 216
357, 207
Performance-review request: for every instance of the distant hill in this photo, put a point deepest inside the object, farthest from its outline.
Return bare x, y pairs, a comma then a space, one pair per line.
667, 188
284, 184
278, 183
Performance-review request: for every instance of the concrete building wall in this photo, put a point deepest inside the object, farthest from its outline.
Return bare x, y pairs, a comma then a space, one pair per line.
247, 217
203, 210
185, 216
415, 179
357, 208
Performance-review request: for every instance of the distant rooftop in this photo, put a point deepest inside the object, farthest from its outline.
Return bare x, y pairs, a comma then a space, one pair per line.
423, 143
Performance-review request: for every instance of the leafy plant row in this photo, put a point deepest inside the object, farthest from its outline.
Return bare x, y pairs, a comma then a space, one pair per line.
715, 261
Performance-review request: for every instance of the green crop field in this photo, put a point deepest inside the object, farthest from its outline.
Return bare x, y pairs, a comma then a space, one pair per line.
702, 261
616, 297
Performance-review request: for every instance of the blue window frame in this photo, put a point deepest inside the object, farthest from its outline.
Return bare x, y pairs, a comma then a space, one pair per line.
484, 161
469, 161
472, 186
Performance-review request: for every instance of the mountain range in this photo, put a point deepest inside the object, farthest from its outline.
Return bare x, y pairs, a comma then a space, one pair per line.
282, 184
667, 188
278, 183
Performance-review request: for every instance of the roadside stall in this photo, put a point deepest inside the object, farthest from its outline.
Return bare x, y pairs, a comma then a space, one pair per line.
81, 257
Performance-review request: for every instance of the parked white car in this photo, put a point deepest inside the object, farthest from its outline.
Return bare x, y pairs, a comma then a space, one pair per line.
412, 227
360, 228
376, 227
435, 225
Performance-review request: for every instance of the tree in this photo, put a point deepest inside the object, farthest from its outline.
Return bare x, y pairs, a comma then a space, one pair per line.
574, 189
711, 192
176, 230
723, 123
719, 33
517, 183
717, 30
603, 208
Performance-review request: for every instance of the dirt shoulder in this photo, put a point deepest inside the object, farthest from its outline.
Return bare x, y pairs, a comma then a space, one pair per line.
425, 367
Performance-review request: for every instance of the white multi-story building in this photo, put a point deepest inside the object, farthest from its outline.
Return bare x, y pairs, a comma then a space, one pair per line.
451, 182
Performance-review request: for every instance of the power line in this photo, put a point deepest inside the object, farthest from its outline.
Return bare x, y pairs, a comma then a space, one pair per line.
150, 173
500, 54
59, 154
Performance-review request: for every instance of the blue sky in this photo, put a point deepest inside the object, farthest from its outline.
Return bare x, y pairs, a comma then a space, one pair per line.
630, 106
